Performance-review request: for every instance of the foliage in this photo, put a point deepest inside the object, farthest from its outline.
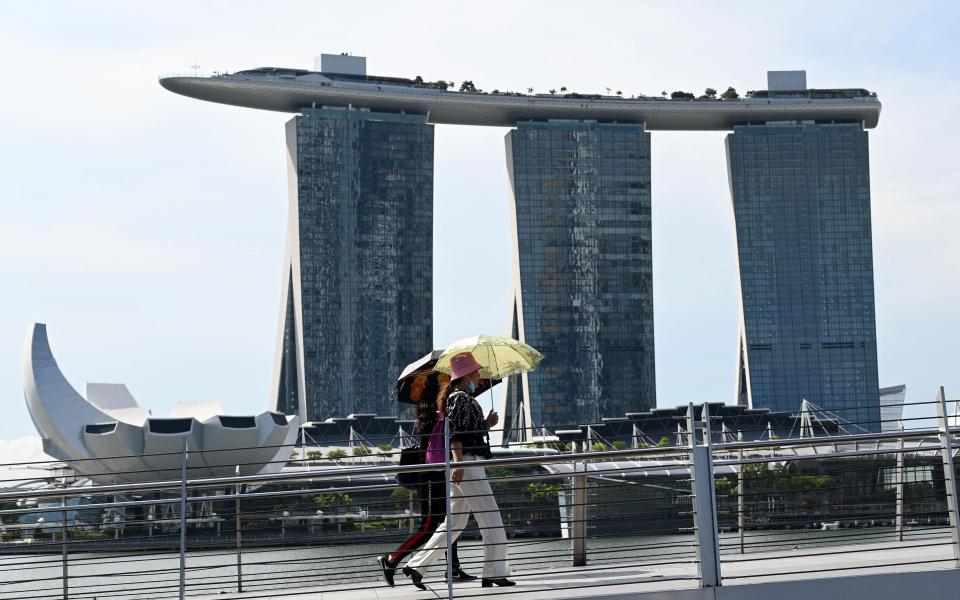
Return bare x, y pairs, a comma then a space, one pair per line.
385, 447
619, 445
294, 455
499, 472
336, 453
730, 94
664, 442
542, 492
765, 477
314, 455
725, 485
709, 93
563, 89
361, 450
401, 497
682, 96
598, 447
553, 91
467, 86
332, 501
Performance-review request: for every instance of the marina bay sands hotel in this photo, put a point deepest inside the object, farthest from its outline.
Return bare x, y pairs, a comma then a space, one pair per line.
357, 297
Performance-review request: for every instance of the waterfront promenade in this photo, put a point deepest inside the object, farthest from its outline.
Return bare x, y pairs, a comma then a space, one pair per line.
863, 571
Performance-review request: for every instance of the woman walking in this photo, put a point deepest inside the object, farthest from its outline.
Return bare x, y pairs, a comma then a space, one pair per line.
431, 490
471, 491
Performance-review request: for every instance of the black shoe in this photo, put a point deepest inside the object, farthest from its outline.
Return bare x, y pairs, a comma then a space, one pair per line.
461, 575
414, 576
388, 571
498, 581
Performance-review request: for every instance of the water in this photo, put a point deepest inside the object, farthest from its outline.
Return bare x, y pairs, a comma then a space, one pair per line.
154, 576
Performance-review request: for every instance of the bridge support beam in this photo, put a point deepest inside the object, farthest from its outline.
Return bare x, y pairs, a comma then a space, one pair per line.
704, 501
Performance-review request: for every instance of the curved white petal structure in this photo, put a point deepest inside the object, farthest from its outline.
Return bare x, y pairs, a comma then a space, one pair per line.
111, 439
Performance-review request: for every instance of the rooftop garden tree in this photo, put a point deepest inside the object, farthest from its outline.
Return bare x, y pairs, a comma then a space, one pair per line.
467, 86
709, 93
730, 94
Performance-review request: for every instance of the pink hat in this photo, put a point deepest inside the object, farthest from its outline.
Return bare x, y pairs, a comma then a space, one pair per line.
463, 364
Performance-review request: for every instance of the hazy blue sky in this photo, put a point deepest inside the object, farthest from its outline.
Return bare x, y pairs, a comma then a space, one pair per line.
146, 229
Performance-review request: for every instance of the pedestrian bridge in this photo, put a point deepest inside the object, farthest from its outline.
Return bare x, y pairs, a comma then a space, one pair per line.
869, 516
853, 572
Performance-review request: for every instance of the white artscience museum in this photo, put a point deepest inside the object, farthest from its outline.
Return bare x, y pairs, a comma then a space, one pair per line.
109, 438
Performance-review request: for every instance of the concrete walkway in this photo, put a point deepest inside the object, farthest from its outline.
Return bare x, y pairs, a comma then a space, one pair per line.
883, 571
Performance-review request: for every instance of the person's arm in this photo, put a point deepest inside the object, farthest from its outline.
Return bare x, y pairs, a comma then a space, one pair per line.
456, 450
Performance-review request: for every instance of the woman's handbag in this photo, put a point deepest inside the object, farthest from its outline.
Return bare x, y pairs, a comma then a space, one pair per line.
410, 456
435, 453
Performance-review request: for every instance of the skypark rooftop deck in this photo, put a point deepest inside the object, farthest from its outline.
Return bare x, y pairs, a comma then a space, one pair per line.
289, 90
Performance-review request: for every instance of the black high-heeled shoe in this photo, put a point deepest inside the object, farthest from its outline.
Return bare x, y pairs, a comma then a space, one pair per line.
387, 569
415, 577
461, 575
496, 581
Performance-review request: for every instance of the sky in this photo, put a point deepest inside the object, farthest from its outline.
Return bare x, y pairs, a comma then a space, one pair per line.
147, 229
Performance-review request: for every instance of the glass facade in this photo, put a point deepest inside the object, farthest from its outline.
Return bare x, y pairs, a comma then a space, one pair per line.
359, 299
801, 201
584, 294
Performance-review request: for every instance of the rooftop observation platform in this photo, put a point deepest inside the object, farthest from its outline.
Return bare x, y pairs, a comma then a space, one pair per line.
290, 90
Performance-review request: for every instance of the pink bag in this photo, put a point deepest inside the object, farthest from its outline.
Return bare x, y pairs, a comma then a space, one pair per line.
435, 453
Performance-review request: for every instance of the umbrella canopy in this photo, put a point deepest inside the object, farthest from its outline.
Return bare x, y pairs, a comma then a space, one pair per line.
500, 355
419, 378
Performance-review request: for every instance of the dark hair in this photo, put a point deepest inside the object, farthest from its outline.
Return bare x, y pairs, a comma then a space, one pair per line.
445, 393
427, 407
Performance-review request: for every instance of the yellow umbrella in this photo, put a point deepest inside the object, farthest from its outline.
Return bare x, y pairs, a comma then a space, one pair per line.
500, 355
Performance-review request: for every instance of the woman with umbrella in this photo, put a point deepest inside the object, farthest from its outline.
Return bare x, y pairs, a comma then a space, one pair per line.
471, 491
421, 389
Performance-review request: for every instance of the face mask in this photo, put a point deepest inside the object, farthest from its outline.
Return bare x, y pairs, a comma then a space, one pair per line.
472, 386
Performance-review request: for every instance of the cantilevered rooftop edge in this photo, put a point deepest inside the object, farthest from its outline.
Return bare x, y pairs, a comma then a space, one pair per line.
290, 90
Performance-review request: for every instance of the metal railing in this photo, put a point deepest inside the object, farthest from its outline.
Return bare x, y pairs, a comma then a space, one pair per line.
705, 511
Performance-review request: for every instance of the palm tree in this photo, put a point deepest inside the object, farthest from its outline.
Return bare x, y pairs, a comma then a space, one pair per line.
553, 91
529, 90
563, 89
619, 93
608, 91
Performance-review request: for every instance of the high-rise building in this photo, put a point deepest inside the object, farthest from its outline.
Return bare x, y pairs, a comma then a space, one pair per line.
801, 201
891, 407
358, 292
583, 271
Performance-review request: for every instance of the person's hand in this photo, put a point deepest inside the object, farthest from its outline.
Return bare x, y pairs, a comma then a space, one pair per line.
456, 475
492, 418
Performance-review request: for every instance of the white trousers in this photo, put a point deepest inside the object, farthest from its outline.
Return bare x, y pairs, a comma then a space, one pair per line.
471, 495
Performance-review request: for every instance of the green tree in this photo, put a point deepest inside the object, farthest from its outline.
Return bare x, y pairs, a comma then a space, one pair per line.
467, 86
619, 445
385, 447
442, 85
314, 455
598, 447
541, 492
664, 441
361, 450
730, 94
553, 91
563, 89
401, 497
709, 93
332, 501
336, 454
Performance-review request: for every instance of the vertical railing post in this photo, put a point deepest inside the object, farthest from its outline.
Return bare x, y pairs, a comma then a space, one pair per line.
183, 522
705, 501
578, 515
948, 474
239, 529
741, 500
448, 471
900, 478
63, 548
